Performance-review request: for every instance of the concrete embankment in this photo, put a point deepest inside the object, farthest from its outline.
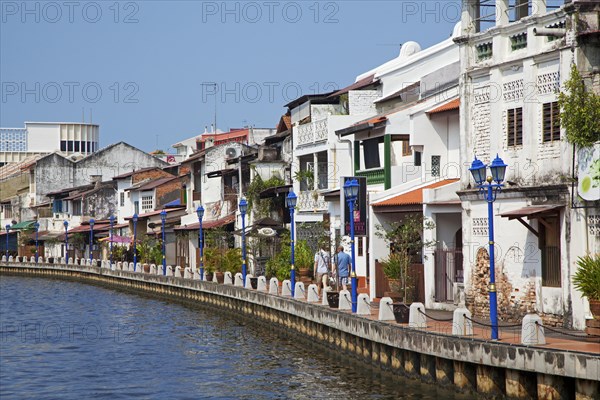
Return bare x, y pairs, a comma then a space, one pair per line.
492, 369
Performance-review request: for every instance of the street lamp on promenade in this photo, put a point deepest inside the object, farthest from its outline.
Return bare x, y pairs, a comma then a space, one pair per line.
92, 222
291, 203
163, 218
200, 213
351, 193
135, 220
490, 189
243, 208
112, 223
66, 224
7, 234
36, 225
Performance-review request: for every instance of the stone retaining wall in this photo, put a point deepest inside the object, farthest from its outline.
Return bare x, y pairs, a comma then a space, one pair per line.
490, 368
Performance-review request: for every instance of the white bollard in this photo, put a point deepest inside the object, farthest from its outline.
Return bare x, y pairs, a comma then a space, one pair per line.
345, 300
119, 265
178, 271
364, 304
139, 268
274, 286
532, 330
4, 258
215, 280
153, 269
130, 267
386, 312
10, 258
113, 267
24, 259
76, 261
299, 291
169, 270
286, 288
324, 298
262, 284
40, 259
228, 280
239, 281
461, 326
195, 274
247, 284
159, 269
416, 318
187, 273
71, 261
313, 294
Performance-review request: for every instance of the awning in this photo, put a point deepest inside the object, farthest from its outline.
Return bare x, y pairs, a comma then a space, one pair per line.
274, 191
221, 172
533, 212
23, 225
208, 224
449, 106
156, 212
411, 197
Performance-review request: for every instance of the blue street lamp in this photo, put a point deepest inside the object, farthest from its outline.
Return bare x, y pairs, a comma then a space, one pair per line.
92, 222
7, 231
112, 223
200, 213
291, 203
66, 224
243, 208
36, 225
351, 193
487, 185
135, 220
163, 218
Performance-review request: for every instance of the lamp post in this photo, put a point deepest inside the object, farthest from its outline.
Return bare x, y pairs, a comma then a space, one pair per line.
112, 223
351, 193
200, 213
135, 220
163, 218
487, 186
7, 234
66, 224
291, 203
92, 222
243, 208
36, 225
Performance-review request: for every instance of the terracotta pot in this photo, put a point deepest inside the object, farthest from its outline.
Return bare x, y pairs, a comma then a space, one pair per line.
254, 282
220, 277
333, 299
208, 276
304, 272
401, 312
146, 268
595, 308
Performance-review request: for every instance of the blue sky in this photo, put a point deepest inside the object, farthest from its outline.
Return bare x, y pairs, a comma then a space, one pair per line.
140, 66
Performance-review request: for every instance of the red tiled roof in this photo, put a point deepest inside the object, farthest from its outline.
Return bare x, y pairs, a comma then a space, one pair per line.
412, 197
449, 106
234, 133
156, 183
208, 224
128, 174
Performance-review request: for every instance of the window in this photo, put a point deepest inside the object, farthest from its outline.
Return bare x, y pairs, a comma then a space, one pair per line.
77, 207
417, 158
122, 199
136, 207
70, 145
435, 165
63, 145
57, 206
551, 119
147, 203
514, 126
360, 247
549, 243
371, 153
7, 209
77, 145
406, 148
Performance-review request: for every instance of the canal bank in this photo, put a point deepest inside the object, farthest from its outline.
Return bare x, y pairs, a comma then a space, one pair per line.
488, 368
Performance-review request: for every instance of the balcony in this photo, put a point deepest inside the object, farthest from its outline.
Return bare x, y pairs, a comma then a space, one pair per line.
311, 133
311, 201
375, 176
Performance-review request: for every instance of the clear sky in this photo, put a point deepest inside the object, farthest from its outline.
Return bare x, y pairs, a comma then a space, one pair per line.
140, 65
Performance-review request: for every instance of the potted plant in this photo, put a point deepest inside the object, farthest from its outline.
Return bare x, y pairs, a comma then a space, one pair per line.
587, 281
405, 239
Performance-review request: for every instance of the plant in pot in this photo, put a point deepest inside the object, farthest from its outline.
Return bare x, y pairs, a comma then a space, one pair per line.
405, 239
587, 281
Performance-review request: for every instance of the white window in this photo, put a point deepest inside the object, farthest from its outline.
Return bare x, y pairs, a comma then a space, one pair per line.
147, 203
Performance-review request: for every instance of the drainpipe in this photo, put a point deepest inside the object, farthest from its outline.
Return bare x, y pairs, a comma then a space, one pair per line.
349, 148
558, 32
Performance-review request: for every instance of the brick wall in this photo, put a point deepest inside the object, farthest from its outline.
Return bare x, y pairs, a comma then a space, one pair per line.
150, 174
168, 192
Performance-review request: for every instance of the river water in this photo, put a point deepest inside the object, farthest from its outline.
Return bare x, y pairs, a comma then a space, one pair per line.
67, 340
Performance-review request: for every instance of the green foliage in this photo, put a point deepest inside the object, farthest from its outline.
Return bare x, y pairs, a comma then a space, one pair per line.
280, 265
261, 207
306, 176
77, 240
149, 250
580, 111
119, 252
587, 277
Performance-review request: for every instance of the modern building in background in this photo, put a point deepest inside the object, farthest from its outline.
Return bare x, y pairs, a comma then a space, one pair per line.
40, 138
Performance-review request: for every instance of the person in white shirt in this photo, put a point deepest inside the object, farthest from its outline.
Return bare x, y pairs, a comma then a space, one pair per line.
321, 269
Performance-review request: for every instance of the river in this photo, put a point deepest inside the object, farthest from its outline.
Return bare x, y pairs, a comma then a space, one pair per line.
67, 340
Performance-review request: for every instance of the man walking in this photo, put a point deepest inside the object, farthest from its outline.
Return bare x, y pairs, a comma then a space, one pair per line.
343, 267
321, 268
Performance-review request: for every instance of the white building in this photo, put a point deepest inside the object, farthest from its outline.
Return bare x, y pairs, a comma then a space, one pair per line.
39, 138
510, 75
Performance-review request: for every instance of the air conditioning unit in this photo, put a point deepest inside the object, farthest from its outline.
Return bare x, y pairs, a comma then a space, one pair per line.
232, 152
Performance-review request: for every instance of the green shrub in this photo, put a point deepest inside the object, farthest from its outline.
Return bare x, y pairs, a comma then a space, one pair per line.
587, 277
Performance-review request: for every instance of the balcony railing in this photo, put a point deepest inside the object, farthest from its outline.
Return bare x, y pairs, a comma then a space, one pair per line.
312, 132
374, 176
311, 201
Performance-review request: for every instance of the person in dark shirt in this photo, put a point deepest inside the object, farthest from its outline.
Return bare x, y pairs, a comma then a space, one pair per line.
342, 267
